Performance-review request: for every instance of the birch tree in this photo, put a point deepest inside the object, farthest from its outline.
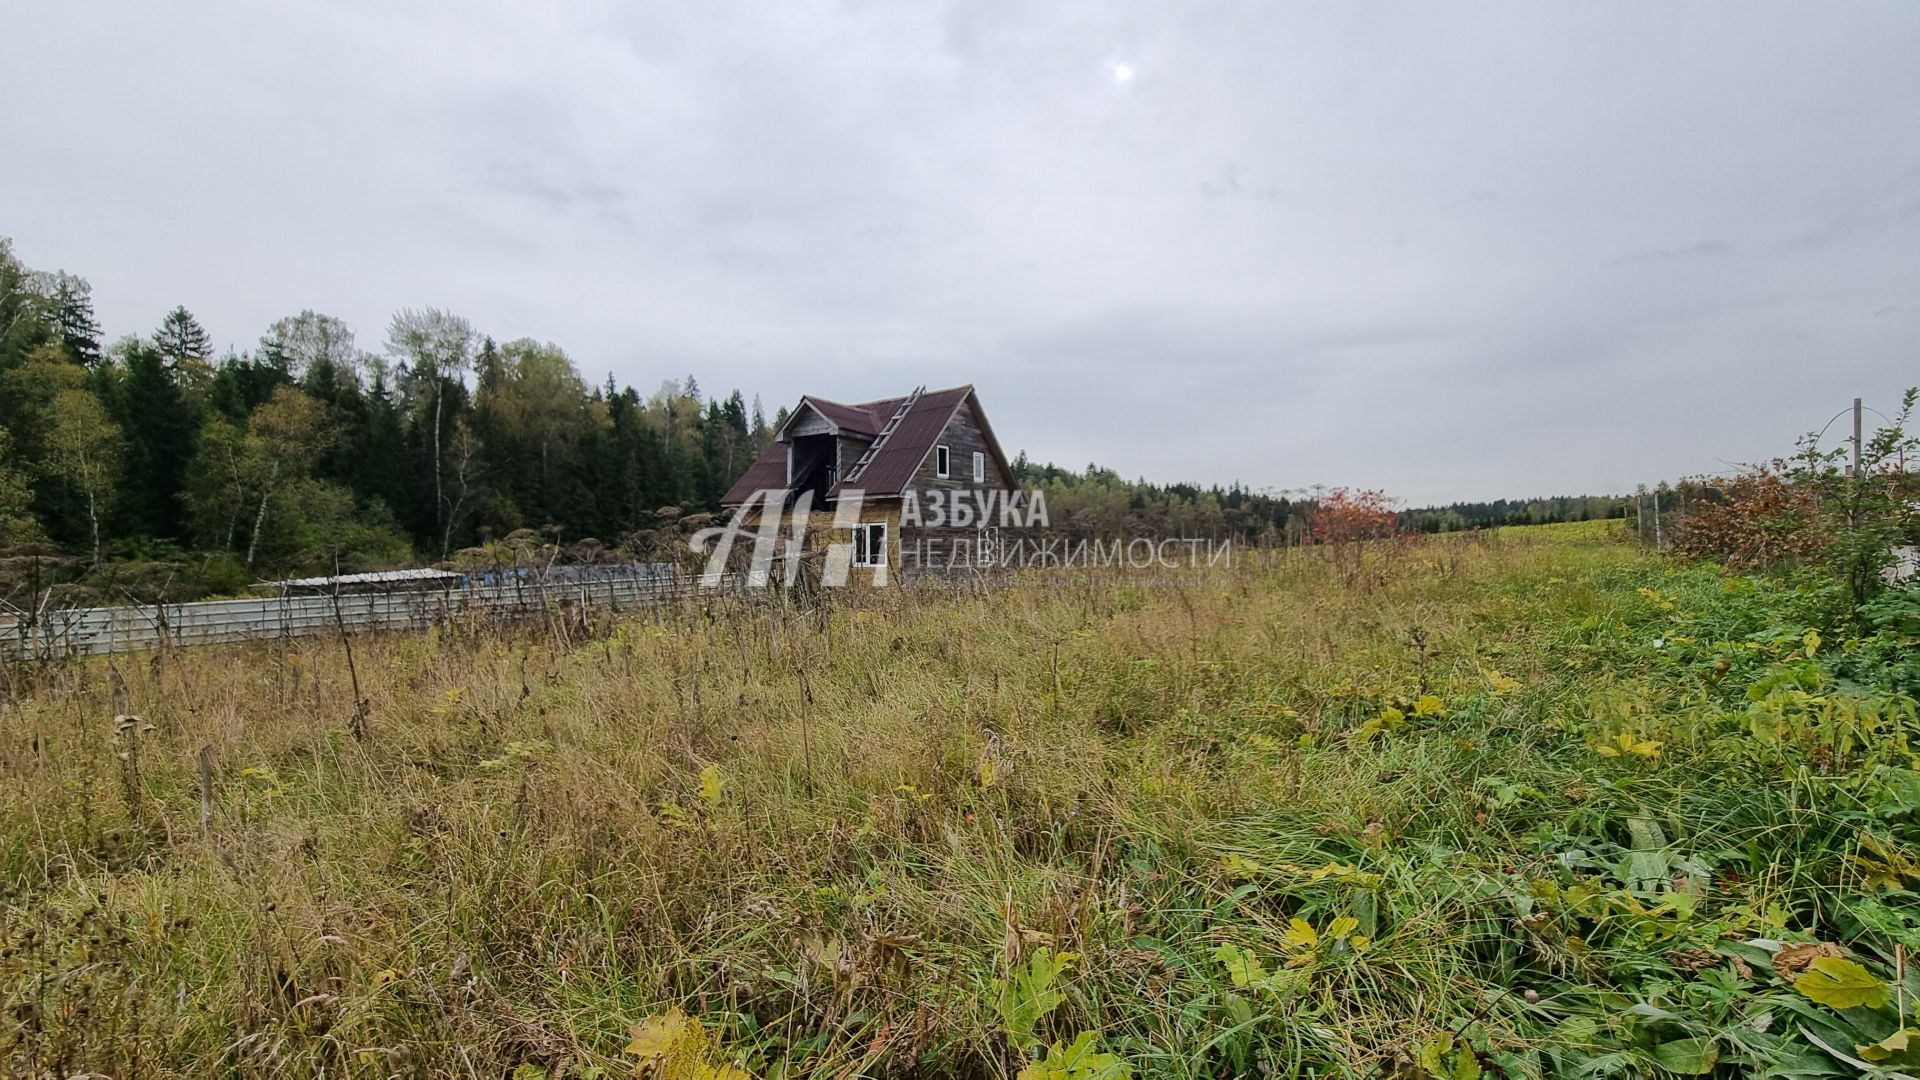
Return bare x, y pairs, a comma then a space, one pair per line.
283, 437
437, 347
83, 454
302, 343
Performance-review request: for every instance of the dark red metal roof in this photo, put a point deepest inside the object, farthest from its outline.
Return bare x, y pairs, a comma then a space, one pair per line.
893, 464
858, 419
900, 455
767, 473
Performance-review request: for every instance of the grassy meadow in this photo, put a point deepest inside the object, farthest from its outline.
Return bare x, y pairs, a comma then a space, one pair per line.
1526, 803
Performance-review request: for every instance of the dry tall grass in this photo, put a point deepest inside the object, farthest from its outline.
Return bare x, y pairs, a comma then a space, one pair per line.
826, 834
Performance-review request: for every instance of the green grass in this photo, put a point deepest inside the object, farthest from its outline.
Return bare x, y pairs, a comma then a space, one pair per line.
834, 839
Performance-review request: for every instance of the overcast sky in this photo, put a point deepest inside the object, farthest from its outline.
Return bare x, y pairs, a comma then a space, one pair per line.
1451, 250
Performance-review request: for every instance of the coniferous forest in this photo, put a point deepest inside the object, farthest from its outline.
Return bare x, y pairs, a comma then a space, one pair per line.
319, 448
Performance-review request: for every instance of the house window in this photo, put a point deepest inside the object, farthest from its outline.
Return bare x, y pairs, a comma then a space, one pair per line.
979, 467
940, 462
870, 544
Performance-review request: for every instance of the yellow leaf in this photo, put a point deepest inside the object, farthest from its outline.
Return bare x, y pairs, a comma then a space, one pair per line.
385, 976
1627, 743
1238, 865
1428, 705
1887, 1047
658, 1036
986, 772
711, 784
1432, 1053
1502, 684
1342, 926
1243, 967
1300, 935
1811, 639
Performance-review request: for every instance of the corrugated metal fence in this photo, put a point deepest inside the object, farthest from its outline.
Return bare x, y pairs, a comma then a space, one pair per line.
84, 631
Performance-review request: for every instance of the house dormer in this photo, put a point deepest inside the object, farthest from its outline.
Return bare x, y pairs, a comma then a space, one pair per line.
929, 438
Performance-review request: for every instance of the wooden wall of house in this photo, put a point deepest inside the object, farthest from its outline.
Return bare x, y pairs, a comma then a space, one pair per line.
962, 437
850, 448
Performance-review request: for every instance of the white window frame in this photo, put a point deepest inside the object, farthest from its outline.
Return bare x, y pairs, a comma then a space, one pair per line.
979, 467
868, 552
942, 461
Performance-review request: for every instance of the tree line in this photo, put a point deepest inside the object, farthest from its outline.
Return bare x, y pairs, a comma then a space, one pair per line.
1550, 510
198, 471
1098, 501
312, 451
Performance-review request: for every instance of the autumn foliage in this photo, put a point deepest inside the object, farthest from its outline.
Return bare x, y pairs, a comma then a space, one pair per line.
1762, 517
1346, 514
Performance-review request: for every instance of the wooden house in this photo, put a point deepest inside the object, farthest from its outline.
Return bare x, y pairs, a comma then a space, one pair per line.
912, 459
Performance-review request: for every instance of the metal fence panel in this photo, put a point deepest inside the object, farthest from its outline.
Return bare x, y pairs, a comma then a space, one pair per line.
85, 631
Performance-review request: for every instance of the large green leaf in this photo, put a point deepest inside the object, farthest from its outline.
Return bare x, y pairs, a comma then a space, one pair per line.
1688, 1057
1841, 984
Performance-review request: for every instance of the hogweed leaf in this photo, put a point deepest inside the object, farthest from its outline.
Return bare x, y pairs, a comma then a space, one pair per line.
1027, 993
1080, 1061
1243, 967
1841, 984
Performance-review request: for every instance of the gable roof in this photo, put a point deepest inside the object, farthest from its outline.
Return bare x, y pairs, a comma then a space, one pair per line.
852, 419
767, 473
896, 459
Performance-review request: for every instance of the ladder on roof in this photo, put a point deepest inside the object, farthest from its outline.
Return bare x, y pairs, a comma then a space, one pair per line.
866, 456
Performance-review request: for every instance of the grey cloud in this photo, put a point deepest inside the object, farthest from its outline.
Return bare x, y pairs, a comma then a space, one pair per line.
1460, 251
1703, 249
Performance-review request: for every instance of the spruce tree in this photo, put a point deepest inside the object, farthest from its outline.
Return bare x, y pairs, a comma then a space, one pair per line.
160, 422
72, 312
182, 338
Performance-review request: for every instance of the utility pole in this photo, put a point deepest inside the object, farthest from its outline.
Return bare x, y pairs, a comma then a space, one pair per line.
1856, 439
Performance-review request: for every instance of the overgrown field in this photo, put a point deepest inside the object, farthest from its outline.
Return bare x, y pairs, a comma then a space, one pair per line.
1523, 804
